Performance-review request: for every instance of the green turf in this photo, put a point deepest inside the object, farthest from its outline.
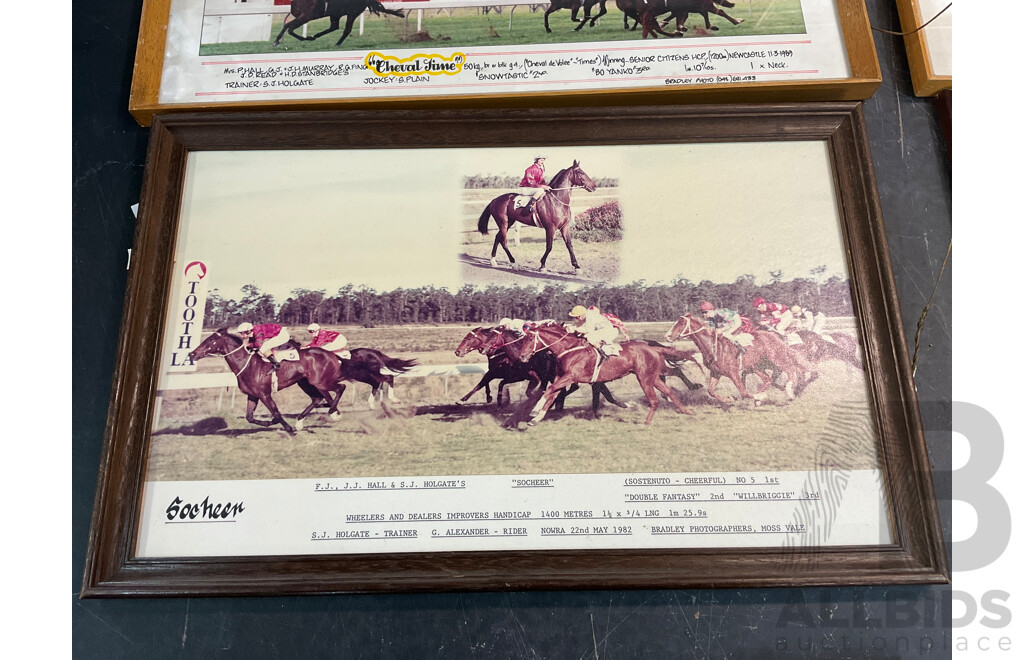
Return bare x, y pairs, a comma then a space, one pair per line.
470, 27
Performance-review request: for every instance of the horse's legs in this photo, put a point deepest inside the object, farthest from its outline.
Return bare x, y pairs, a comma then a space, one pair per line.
484, 382
721, 12
501, 238
602, 12
551, 8
560, 399
390, 381
607, 394
315, 397
250, 412
277, 416
662, 387
712, 384
567, 237
348, 28
575, 13
290, 27
335, 21
545, 401
652, 398
586, 15
549, 238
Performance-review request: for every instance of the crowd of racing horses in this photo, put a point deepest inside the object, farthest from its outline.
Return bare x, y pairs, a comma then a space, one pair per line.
553, 360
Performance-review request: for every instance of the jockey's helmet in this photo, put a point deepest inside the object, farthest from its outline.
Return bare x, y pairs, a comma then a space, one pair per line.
245, 326
505, 322
707, 307
313, 327
579, 311
796, 309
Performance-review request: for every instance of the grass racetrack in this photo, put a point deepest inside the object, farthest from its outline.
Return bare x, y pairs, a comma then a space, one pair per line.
203, 435
471, 27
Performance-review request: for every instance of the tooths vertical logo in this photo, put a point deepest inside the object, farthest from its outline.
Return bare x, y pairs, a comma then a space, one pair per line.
187, 324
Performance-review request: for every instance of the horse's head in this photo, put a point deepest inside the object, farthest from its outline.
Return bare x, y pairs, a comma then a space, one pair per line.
581, 179
474, 341
685, 327
220, 343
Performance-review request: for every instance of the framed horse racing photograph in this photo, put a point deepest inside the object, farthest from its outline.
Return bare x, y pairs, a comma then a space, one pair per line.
352, 345
317, 54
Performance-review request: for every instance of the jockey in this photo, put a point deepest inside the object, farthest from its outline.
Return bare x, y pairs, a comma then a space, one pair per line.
515, 325
596, 327
329, 340
804, 319
533, 184
266, 337
774, 316
729, 324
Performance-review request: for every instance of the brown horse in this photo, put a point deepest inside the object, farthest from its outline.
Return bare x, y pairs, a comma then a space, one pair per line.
816, 349
723, 358
487, 341
580, 362
648, 11
552, 214
305, 11
316, 371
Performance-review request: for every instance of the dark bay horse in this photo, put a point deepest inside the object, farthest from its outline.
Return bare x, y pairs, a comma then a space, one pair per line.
316, 371
647, 13
723, 358
305, 11
579, 362
488, 341
816, 349
552, 214
370, 366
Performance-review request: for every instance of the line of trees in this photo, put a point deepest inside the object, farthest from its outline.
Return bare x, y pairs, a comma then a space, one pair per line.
470, 305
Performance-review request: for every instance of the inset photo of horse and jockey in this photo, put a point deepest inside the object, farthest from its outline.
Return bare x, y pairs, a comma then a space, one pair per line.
238, 27
376, 313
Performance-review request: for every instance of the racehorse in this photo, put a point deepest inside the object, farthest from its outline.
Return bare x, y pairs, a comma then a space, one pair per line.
305, 11
539, 371
574, 5
816, 349
552, 214
316, 371
580, 362
723, 358
370, 366
648, 11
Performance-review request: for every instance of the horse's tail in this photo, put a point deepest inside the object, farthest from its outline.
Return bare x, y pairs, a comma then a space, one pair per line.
671, 354
397, 365
725, 3
375, 7
481, 224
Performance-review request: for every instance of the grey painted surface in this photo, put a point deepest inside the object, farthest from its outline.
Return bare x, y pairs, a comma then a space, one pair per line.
914, 185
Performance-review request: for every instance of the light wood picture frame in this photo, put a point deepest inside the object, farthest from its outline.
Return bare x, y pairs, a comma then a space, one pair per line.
930, 64
149, 92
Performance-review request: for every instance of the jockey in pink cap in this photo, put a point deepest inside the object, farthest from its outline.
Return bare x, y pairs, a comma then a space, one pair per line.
329, 340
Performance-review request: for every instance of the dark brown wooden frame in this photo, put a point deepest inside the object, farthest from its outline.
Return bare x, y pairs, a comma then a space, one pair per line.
865, 77
916, 556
